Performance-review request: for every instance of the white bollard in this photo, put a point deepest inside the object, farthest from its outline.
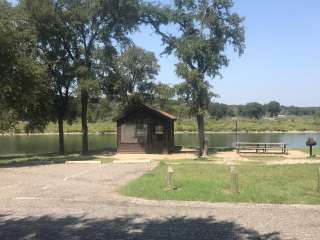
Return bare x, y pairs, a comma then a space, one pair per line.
169, 178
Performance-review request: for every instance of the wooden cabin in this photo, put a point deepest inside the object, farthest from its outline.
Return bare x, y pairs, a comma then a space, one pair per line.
143, 129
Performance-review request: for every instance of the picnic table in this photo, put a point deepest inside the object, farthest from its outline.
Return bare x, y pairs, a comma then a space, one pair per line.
261, 147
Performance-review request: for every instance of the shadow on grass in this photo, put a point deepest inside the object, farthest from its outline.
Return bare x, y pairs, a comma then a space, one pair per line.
131, 227
23, 160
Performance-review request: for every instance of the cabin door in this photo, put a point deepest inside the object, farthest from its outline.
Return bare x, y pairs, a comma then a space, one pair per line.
157, 138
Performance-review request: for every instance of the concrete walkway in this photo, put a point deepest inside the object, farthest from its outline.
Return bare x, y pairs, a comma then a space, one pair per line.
81, 202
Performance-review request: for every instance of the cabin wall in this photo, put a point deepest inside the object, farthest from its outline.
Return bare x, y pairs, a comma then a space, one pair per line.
148, 146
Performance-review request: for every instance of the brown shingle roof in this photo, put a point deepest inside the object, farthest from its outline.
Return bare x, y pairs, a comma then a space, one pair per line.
156, 111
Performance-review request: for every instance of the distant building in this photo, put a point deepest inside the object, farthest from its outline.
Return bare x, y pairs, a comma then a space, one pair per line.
145, 129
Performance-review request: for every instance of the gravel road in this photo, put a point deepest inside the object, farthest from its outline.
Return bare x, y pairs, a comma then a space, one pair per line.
80, 201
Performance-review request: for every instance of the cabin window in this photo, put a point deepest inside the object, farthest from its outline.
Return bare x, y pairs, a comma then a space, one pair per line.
141, 130
134, 132
159, 129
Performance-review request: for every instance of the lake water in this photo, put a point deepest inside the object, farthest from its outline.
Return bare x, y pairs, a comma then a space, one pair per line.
49, 143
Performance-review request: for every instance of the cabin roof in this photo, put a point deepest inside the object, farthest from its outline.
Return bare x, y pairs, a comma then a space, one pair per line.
147, 109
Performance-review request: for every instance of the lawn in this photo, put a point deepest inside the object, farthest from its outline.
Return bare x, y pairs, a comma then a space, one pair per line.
284, 184
315, 151
42, 159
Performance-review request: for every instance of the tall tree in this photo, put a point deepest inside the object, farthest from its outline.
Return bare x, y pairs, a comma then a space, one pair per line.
164, 94
205, 29
134, 73
23, 79
273, 108
59, 64
93, 26
253, 110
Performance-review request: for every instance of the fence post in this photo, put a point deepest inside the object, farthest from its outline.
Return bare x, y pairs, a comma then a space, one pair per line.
169, 178
206, 149
234, 177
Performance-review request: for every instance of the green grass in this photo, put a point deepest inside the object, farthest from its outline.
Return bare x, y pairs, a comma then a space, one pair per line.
266, 158
42, 159
253, 125
285, 184
189, 125
316, 150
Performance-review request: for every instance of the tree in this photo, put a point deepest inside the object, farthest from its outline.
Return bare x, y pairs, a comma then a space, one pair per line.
94, 26
273, 108
220, 110
163, 94
205, 29
23, 79
60, 66
134, 73
253, 110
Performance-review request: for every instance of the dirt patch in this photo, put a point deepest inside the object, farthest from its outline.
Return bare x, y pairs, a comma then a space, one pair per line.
293, 157
294, 161
184, 154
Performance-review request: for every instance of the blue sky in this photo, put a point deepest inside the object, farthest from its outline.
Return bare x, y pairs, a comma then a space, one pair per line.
282, 57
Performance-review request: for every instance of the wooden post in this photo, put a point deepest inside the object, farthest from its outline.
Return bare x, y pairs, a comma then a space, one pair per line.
169, 178
318, 188
236, 132
150, 165
310, 150
234, 177
206, 151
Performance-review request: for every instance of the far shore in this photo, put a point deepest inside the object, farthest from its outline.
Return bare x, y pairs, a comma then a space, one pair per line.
176, 132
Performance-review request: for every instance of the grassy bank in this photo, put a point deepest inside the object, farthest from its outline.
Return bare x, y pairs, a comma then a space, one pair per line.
253, 125
19, 160
290, 184
189, 125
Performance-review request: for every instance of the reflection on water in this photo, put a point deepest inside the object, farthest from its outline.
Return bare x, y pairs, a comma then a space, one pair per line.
49, 143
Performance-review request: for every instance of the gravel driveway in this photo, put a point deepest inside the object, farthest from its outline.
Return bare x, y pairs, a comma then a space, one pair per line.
80, 202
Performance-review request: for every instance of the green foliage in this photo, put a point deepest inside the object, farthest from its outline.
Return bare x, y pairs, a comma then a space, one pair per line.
220, 110
54, 52
206, 28
24, 89
273, 108
253, 110
164, 97
89, 33
134, 73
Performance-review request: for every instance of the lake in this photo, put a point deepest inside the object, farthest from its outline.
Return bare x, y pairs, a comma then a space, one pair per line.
49, 143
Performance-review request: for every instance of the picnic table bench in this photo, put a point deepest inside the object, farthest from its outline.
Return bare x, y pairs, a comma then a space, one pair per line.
261, 147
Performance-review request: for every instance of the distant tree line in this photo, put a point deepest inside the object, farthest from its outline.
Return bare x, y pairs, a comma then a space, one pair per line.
166, 98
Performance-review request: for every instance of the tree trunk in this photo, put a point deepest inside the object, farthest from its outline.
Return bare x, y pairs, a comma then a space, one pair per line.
84, 108
200, 122
61, 135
